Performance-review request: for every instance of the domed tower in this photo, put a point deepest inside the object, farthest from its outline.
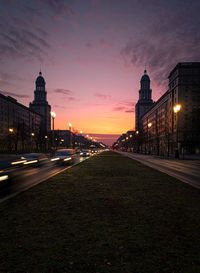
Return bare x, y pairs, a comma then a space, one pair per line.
145, 99
40, 104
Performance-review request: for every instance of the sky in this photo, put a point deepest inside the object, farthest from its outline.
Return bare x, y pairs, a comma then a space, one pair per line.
92, 54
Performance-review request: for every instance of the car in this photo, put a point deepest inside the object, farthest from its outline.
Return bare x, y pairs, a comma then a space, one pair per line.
64, 156
85, 153
34, 159
5, 180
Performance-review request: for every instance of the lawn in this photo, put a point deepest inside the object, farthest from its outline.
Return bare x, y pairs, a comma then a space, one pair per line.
107, 214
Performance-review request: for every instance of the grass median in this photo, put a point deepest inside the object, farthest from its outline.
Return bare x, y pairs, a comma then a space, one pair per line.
107, 214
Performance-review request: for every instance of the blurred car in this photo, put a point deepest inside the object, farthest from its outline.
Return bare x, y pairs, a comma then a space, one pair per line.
64, 156
5, 180
85, 153
34, 159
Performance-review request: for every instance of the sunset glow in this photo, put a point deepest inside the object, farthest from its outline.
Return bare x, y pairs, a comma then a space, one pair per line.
92, 55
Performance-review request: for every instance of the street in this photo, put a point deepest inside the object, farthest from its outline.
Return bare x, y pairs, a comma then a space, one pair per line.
25, 178
187, 171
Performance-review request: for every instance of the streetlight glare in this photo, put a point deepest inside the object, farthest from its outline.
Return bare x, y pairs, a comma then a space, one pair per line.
53, 114
149, 125
177, 108
11, 130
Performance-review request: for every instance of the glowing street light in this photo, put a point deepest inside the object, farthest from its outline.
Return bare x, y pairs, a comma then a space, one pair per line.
149, 124
176, 109
53, 115
11, 130
137, 132
81, 132
32, 134
70, 126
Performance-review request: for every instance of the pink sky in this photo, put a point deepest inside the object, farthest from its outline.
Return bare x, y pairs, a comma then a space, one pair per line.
92, 55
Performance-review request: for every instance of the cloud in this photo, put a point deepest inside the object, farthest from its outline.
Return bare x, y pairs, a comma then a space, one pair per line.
63, 91
60, 106
125, 106
21, 42
105, 44
166, 42
89, 45
119, 108
58, 6
102, 96
6, 93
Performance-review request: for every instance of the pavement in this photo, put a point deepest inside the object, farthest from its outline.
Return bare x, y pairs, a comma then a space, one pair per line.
188, 171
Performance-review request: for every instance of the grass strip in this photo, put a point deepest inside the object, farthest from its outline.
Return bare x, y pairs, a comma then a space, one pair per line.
108, 214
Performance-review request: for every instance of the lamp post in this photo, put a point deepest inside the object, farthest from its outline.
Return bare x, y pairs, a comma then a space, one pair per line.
32, 135
11, 131
70, 128
53, 115
149, 126
176, 109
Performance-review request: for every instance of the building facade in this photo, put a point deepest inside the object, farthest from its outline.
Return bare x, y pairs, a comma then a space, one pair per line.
145, 100
40, 105
167, 132
19, 125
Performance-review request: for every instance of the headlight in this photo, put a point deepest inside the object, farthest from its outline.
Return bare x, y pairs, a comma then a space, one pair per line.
56, 158
30, 162
3, 177
18, 162
67, 159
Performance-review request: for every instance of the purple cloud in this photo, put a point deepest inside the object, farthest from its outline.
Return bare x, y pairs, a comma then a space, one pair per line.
11, 94
102, 96
166, 42
119, 108
63, 91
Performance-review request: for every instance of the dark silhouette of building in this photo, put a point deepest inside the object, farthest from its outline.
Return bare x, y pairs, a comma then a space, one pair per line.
145, 100
19, 125
40, 105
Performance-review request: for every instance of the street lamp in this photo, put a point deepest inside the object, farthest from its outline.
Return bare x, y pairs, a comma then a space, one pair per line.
53, 115
149, 124
32, 135
11, 130
70, 126
176, 109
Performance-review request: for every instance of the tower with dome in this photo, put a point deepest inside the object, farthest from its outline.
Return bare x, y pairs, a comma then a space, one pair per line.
40, 105
145, 100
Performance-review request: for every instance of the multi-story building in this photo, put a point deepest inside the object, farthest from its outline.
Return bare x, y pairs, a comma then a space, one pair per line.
40, 105
19, 125
169, 132
145, 100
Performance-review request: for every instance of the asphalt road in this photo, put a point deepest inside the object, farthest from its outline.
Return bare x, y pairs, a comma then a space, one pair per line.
25, 178
187, 171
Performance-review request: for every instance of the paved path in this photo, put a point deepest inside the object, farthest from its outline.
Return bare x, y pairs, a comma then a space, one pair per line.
187, 171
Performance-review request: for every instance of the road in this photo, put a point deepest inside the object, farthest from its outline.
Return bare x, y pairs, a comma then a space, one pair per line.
187, 171
25, 178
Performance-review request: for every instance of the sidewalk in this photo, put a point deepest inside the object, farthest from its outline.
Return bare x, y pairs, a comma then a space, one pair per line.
187, 171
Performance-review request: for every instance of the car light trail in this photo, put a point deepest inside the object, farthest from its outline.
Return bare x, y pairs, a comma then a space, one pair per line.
3, 177
30, 162
18, 162
54, 159
67, 159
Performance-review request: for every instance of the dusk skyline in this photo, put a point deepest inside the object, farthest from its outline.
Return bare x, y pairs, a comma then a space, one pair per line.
93, 54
